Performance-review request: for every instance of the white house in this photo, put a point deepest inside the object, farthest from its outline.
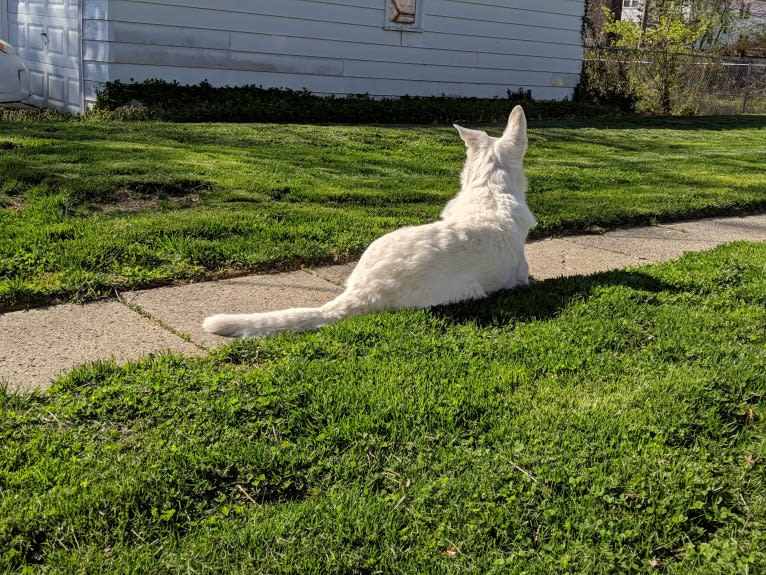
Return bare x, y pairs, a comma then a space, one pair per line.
477, 48
633, 10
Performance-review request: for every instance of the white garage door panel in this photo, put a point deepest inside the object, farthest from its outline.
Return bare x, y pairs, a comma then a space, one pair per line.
36, 82
57, 88
48, 39
52, 43
61, 91
50, 8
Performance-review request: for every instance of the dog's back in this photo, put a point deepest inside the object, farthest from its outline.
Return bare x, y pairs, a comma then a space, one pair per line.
477, 247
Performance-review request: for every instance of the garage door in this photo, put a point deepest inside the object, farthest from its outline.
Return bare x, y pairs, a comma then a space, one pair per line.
47, 34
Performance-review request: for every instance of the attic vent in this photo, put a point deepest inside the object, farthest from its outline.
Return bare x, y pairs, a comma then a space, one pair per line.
401, 11
403, 14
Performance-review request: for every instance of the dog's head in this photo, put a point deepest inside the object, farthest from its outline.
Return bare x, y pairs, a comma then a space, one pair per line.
512, 144
487, 157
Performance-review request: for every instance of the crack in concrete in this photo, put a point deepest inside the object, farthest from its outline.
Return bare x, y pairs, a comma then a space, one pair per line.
134, 307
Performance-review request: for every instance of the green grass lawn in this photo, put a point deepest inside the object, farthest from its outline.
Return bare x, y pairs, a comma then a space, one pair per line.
608, 424
90, 207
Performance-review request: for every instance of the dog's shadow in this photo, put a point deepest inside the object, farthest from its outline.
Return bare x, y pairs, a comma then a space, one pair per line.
545, 299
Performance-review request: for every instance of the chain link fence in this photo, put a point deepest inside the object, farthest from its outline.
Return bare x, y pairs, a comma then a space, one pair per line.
675, 83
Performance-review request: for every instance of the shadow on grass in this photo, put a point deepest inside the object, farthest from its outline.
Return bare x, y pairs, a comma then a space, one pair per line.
546, 299
731, 122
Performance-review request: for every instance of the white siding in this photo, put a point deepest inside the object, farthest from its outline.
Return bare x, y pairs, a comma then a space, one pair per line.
466, 47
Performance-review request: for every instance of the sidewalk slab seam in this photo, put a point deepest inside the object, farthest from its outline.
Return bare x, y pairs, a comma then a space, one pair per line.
158, 322
183, 308
37, 345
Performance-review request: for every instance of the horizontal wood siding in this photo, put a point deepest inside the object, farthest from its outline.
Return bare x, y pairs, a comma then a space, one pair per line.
477, 48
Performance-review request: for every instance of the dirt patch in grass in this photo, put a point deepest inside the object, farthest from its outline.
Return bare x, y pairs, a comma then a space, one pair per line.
143, 196
127, 199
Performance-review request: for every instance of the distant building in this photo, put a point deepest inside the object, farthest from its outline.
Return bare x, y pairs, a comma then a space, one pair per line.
633, 10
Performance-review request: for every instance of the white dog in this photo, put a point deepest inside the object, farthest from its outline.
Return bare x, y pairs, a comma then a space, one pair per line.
477, 247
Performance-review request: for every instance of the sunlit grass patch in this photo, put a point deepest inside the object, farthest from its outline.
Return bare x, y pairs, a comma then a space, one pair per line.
133, 204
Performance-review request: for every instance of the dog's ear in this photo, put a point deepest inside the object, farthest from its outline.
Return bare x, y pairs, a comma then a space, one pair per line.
472, 138
515, 132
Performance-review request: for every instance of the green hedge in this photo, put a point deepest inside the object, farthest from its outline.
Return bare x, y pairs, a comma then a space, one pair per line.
157, 99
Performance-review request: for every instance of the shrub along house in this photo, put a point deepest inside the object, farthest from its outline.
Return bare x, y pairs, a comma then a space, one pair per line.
480, 48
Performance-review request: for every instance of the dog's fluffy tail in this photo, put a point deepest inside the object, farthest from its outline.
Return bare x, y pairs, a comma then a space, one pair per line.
268, 323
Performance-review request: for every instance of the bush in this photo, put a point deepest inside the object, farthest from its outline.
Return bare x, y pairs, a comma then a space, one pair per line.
157, 99
606, 81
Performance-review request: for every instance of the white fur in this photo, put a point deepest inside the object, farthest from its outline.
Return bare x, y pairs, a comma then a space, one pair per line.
477, 247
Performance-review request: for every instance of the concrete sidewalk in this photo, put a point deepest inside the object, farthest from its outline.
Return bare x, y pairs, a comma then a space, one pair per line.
39, 344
